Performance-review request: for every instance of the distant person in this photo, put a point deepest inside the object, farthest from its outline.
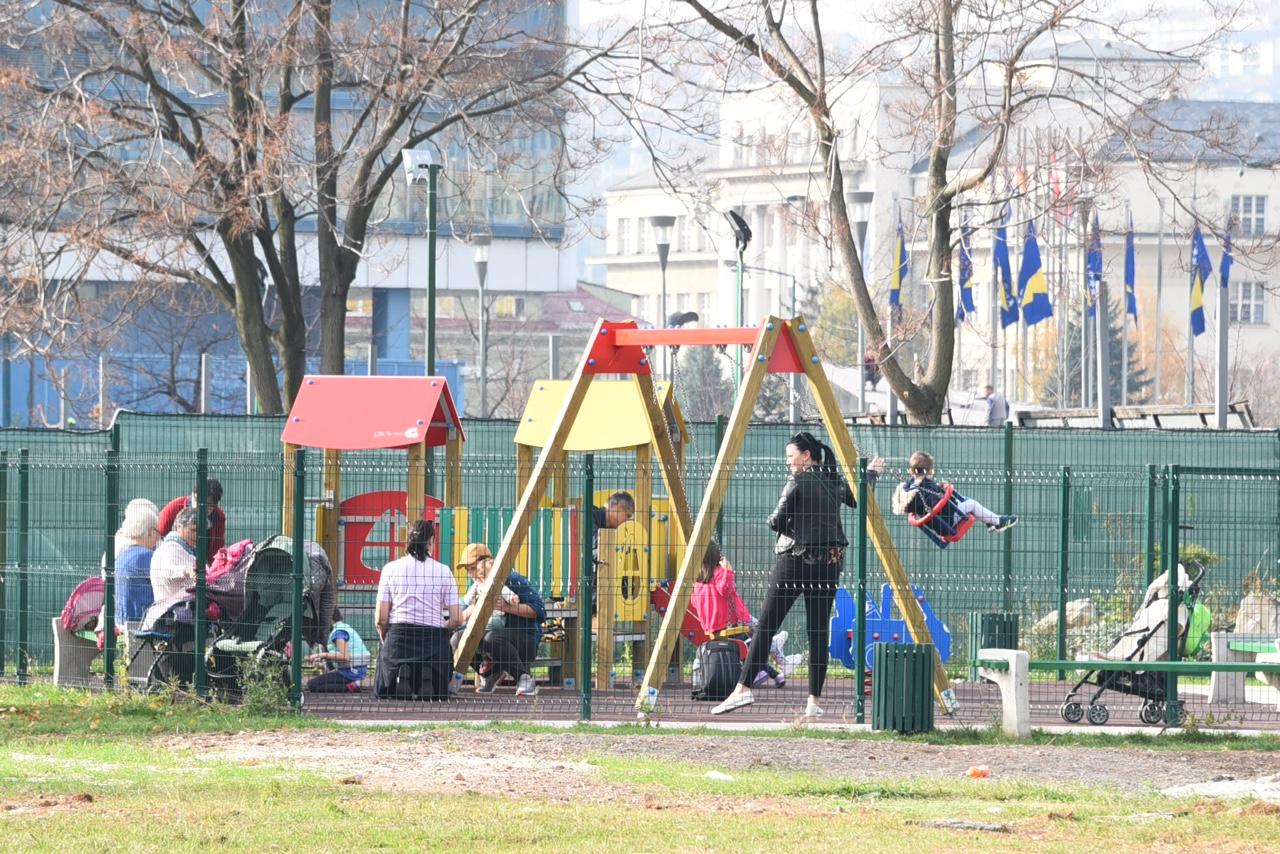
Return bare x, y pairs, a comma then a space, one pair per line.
345, 659
997, 407
173, 566
922, 495
619, 509
123, 539
418, 607
871, 368
217, 519
510, 642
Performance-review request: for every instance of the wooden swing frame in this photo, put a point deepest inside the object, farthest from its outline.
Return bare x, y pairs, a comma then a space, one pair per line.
777, 346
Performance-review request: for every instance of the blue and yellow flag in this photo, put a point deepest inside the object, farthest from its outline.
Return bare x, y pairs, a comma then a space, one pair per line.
966, 306
1033, 288
1130, 274
1093, 268
900, 268
1005, 296
1201, 268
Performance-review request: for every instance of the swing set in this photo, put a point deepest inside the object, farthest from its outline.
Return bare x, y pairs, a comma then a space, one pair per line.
618, 348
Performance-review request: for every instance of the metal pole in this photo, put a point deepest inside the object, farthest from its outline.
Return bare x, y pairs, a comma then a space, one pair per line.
860, 599
1151, 542
299, 566
248, 388
371, 364
1124, 352
993, 375
553, 356
482, 273
1172, 707
791, 381
1224, 328
4, 556
433, 174
1007, 556
737, 321
862, 368
1064, 561
1104, 357
663, 249
1190, 390
24, 559
1084, 305
112, 513
102, 391
204, 383
1159, 294
586, 589
202, 563
6, 392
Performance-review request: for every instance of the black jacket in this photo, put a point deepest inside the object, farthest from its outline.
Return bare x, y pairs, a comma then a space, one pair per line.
808, 513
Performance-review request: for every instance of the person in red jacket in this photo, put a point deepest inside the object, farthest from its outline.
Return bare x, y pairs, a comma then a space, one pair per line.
718, 606
217, 519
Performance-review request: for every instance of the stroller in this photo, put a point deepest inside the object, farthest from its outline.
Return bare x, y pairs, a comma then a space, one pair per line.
258, 632
1146, 639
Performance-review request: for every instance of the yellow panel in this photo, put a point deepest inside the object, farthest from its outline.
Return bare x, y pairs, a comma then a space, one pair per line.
558, 549
612, 416
461, 522
629, 573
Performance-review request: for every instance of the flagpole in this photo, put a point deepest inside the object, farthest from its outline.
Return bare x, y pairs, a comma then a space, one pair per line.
1159, 293
1084, 304
1224, 327
1124, 318
1101, 313
1191, 346
992, 373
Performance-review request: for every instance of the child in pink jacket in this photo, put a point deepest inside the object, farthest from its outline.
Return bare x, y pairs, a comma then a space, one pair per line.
718, 606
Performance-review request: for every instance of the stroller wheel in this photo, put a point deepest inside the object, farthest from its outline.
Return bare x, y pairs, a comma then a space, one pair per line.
1151, 714
1098, 714
1071, 712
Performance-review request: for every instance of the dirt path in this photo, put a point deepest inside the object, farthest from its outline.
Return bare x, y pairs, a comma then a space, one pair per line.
520, 764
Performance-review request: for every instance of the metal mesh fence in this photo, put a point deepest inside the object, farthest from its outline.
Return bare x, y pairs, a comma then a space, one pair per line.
1098, 512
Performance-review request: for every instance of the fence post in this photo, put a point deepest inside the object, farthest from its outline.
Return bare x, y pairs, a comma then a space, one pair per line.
112, 514
4, 558
24, 559
202, 562
1151, 543
299, 558
1064, 561
586, 589
1172, 708
860, 600
1007, 556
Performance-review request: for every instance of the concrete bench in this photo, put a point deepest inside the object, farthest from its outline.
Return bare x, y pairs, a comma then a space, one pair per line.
1231, 646
73, 657
1014, 684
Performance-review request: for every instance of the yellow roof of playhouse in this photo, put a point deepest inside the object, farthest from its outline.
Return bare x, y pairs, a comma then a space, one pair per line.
612, 417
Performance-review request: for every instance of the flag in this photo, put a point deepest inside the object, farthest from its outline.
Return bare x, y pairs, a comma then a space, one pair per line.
1200, 270
1093, 268
1033, 289
1004, 290
966, 306
1130, 274
900, 269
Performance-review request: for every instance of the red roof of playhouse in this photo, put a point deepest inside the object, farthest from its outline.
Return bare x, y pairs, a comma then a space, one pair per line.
367, 413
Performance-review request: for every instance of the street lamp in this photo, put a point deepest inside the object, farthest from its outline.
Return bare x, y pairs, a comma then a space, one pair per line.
420, 166
481, 243
793, 393
741, 237
662, 237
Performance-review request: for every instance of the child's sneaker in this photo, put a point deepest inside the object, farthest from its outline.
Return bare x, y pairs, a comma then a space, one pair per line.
353, 687
781, 681
760, 679
488, 682
526, 686
776, 648
1005, 523
455, 684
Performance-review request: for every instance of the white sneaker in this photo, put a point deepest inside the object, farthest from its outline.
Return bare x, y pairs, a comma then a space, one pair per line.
776, 648
455, 684
812, 710
526, 686
734, 701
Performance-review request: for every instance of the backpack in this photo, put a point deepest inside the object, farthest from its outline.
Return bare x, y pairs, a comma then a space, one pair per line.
84, 604
718, 666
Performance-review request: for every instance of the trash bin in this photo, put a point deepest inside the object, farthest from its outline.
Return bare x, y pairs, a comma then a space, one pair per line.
902, 687
990, 630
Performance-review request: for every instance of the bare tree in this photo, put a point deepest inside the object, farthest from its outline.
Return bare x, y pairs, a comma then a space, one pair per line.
228, 143
972, 67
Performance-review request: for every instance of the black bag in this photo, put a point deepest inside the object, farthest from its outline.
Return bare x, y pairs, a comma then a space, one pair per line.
719, 668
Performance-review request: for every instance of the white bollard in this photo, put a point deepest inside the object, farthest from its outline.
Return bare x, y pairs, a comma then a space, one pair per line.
1015, 692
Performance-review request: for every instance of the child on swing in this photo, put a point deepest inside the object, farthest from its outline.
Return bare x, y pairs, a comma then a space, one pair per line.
922, 495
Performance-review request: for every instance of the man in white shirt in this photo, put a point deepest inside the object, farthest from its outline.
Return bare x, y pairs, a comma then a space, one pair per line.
997, 407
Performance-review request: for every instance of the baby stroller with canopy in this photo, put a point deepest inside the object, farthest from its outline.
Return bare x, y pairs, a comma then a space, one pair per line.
1146, 639
258, 632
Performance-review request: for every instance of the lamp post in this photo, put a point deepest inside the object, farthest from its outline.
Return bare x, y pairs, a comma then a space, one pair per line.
791, 381
741, 238
662, 238
481, 243
419, 167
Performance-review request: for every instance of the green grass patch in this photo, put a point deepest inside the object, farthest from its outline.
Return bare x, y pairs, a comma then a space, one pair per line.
36, 711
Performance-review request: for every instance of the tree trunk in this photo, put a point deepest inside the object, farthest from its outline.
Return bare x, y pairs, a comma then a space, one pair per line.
251, 325
333, 288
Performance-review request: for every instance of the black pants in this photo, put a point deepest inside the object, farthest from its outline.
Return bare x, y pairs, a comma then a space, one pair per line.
329, 682
792, 577
415, 661
511, 650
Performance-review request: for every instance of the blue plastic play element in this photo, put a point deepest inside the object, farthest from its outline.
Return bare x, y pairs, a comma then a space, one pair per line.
881, 627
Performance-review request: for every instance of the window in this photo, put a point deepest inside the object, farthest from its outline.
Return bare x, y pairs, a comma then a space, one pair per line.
1250, 212
447, 308
704, 307
509, 307
623, 246
1249, 303
682, 302
642, 241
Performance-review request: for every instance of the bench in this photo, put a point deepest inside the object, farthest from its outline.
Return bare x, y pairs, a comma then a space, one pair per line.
73, 657
1231, 647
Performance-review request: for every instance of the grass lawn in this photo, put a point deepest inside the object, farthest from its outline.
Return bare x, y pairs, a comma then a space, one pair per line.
86, 772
